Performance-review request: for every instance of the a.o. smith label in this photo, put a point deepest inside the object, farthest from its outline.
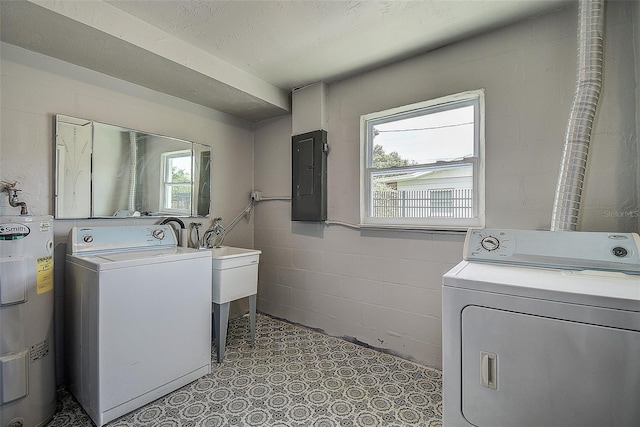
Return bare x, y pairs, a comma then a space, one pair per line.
13, 231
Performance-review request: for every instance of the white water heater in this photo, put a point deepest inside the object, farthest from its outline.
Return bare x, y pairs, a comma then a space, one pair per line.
27, 356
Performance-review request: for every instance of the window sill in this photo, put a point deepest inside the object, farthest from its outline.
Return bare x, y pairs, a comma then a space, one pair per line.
417, 228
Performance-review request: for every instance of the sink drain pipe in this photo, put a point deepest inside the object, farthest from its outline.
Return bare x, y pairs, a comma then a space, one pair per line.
566, 205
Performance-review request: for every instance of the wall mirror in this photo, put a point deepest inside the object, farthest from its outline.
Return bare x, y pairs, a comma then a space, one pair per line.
105, 171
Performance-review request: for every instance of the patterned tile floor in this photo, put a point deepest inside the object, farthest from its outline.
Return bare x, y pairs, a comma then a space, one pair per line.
292, 377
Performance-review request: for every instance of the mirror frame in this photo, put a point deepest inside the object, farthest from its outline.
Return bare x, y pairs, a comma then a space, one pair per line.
77, 169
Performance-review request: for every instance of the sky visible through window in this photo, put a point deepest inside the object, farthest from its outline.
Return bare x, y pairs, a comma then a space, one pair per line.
440, 136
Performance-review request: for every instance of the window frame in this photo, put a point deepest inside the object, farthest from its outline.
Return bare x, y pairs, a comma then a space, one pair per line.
477, 161
168, 185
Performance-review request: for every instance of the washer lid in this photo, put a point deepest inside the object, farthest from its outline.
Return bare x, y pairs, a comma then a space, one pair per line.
588, 287
110, 260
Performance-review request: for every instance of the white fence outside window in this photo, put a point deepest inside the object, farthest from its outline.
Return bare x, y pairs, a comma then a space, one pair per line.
446, 203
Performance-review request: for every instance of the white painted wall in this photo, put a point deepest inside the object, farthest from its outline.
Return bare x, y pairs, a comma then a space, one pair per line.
384, 287
636, 42
35, 87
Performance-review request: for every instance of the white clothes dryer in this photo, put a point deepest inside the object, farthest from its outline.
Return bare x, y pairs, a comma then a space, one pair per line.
543, 329
138, 316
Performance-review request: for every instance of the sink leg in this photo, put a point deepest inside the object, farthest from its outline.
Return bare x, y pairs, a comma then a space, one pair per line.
213, 322
252, 319
220, 323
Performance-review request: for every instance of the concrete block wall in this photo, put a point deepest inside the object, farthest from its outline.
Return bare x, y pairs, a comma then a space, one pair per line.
383, 288
380, 288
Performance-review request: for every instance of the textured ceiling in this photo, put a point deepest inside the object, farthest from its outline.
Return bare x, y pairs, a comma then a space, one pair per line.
294, 43
244, 57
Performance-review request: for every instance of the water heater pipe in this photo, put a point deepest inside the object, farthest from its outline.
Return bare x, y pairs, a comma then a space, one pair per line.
566, 205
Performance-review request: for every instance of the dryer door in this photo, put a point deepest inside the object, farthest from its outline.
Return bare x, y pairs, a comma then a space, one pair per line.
523, 370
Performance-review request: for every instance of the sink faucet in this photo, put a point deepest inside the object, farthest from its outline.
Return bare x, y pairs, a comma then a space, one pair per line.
216, 229
220, 231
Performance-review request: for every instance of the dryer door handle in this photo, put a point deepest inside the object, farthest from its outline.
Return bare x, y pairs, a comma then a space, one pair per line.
489, 370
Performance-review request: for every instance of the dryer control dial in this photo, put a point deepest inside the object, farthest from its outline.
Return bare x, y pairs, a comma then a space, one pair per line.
158, 233
490, 243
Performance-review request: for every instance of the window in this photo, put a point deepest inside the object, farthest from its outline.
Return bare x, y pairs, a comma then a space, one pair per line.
422, 165
177, 182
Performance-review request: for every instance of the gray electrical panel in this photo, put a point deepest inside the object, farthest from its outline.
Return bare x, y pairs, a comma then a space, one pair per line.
309, 176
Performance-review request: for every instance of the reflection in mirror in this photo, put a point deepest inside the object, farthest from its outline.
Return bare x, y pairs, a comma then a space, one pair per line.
73, 167
133, 173
202, 159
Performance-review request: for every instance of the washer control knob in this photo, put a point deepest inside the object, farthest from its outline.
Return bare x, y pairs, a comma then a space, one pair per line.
620, 252
490, 243
158, 233
87, 238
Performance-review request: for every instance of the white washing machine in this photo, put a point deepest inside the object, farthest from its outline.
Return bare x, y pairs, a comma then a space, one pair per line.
138, 316
543, 329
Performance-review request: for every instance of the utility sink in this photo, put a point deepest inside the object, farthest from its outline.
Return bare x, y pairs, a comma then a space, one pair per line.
235, 273
235, 276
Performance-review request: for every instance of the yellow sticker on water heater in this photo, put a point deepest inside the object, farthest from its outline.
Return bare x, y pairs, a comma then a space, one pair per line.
44, 274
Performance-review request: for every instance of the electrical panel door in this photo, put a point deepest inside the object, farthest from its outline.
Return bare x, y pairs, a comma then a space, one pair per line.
309, 176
